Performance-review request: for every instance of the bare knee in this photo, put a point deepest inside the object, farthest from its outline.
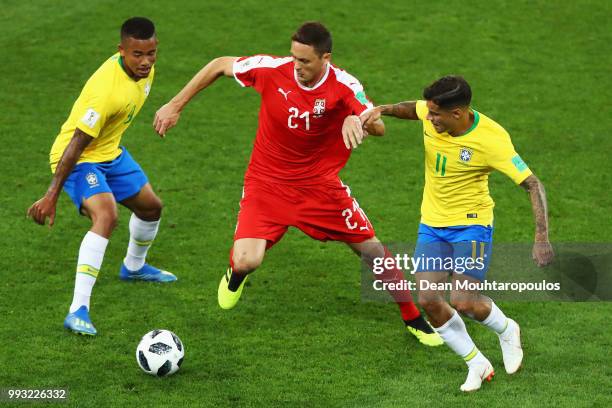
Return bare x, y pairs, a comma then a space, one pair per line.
474, 306
152, 212
463, 306
245, 262
431, 303
105, 221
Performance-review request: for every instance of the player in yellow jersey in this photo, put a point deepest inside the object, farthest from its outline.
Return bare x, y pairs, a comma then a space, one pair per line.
96, 172
462, 146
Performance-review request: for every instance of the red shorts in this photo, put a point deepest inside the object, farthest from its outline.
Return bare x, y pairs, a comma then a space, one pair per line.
323, 212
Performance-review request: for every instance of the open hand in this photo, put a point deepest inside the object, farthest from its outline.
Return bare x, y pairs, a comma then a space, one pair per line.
352, 132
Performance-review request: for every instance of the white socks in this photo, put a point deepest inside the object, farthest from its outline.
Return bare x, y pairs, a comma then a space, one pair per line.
142, 234
91, 255
497, 320
455, 335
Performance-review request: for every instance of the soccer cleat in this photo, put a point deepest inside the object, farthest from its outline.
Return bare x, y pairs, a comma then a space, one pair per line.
477, 373
421, 329
146, 273
228, 299
79, 322
510, 342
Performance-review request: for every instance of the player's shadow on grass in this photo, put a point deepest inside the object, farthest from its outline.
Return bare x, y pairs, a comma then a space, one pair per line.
582, 277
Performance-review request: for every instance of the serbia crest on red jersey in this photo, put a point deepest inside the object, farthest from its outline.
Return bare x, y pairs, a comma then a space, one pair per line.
319, 107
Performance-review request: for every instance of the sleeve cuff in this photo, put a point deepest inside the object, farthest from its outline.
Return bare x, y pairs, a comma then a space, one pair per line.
234, 73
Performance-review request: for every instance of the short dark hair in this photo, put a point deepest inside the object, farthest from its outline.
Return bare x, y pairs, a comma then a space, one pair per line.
140, 28
315, 34
449, 92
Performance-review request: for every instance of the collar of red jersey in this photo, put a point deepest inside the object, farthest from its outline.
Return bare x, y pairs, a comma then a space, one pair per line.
315, 86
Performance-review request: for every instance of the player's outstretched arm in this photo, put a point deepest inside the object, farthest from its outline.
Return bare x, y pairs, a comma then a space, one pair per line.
402, 110
542, 249
45, 207
168, 115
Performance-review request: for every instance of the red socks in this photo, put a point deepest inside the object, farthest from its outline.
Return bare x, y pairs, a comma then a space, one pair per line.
402, 297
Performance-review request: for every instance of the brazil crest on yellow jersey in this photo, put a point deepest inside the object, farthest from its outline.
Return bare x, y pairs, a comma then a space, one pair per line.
108, 103
457, 171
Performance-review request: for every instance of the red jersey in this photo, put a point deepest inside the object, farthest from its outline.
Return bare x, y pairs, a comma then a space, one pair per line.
299, 137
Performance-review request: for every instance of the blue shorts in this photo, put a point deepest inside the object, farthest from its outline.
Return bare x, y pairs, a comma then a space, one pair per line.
463, 249
123, 177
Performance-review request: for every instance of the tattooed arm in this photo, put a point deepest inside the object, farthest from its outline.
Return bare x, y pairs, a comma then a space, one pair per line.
402, 110
542, 250
45, 207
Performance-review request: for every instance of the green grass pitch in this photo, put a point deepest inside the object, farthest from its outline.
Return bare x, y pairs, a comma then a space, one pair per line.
300, 336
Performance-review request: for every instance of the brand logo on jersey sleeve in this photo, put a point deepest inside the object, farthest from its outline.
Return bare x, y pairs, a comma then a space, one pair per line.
247, 63
147, 88
319, 107
519, 163
90, 118
466, 154
362, 98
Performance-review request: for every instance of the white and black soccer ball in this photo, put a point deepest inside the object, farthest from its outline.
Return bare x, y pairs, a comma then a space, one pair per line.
160, 353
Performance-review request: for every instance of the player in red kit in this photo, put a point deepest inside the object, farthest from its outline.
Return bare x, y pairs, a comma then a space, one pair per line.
308, 122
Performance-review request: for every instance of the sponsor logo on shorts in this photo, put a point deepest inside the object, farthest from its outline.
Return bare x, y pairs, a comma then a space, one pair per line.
92, 180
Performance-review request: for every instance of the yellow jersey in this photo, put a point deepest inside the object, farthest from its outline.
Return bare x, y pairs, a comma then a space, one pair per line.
457, 171
105, 108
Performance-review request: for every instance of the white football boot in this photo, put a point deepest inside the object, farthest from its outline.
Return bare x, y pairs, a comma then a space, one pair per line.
477, 373
510, 342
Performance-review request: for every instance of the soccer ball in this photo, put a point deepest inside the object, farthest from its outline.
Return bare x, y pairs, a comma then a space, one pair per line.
160, 353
